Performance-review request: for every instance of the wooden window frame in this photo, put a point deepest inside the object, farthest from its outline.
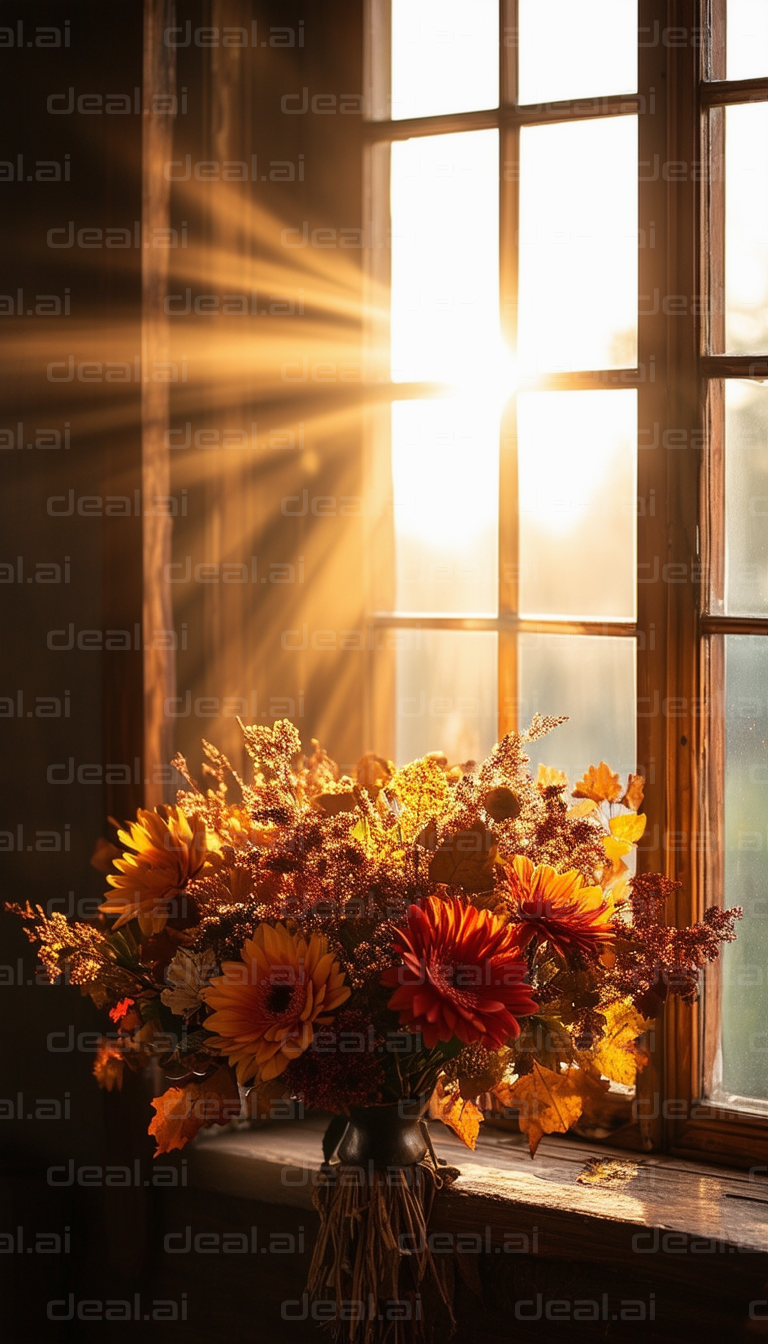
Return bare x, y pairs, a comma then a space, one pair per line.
679, 458
703, 1128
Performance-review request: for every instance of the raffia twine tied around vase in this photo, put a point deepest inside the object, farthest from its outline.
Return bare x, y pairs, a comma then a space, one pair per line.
372, 1258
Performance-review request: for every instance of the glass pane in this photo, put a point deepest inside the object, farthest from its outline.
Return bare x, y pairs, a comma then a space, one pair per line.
746, 51
592, 680
445, 684
746, 228
577, 473
445, 56
445, 257
745, 962
445, 475
578, 245
746, 498
576, 50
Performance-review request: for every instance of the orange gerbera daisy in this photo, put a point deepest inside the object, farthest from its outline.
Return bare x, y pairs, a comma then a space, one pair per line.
557, 906
169, 849
462, 975
268, 1004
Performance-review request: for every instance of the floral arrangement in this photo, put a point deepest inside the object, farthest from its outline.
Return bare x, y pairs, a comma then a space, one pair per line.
465, 935
450, 940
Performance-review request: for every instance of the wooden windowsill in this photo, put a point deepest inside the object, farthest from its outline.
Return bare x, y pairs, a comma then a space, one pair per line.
675, 1211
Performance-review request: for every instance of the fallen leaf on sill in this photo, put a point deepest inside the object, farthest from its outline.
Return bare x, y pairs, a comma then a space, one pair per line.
607, 1172
463, 1117
548, 1102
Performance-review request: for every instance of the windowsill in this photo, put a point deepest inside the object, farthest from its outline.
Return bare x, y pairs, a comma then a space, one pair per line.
670, 1207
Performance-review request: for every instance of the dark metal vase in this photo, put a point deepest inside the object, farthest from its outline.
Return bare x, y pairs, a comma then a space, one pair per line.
384, 1136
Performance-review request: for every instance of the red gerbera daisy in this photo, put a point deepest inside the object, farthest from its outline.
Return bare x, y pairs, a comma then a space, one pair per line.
462, 975
558, 907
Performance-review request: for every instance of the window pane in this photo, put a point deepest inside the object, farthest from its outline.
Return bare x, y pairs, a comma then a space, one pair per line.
577, 471
746, 52
746, 498
746, 228
445, 257
445, 474
577, 50
445, 694
592, 680
745, 962
578, 245
445, 56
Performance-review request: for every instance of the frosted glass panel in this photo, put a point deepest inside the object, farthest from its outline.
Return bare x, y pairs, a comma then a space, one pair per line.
746, 228
578, 245
747, 39
445, 56
445, 474
445, 257
577, 471
592, 680
746, 498
445, 688
745, 962
576, 48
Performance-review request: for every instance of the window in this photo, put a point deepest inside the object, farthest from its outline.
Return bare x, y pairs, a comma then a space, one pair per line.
569, 453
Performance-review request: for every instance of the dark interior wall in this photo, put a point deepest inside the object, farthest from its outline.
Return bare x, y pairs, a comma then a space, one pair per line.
71, 439
72, 694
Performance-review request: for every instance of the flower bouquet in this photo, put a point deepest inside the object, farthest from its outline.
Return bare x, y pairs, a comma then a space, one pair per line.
431, 942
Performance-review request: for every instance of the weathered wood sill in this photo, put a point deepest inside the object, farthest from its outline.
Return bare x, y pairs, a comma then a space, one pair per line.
678, 1215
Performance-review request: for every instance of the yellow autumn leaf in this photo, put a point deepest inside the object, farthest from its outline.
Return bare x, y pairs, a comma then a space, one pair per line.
463, 1117
547, 1102
614, 848
617, 1055
618, 893
583, 809
599, 782
615, 871
548, 776
628, 827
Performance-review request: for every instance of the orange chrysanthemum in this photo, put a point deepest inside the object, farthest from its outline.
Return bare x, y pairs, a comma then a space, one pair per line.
462, 975
268, 1004
165, 850
557, 906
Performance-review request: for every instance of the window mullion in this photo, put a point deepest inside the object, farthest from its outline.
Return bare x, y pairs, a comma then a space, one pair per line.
509, 217
652, 644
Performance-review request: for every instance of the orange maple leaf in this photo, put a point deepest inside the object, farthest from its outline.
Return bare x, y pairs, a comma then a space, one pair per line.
463, 1117
633, 796
547, 1102
183, 1111
600, 783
